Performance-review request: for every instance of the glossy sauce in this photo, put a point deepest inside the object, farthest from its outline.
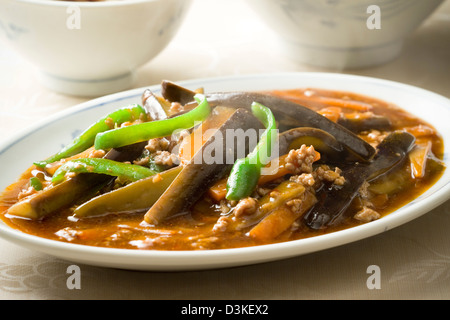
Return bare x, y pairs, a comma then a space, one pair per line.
193, 230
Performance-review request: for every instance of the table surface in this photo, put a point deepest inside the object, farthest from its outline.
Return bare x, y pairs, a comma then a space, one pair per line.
414, 259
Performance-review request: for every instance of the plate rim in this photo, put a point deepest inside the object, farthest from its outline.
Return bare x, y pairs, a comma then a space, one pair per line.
214, 258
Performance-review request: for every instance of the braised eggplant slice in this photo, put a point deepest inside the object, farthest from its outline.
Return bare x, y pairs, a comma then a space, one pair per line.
71, 191
359, 124
196, 177
61, 196
134, 197
323, 142
156, 107
126, 153
291, 115
334, 201
175, 93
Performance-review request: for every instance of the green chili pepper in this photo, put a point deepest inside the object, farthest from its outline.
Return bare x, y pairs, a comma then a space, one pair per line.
245, 173
130, 172
154, 129
36, 183
86, 139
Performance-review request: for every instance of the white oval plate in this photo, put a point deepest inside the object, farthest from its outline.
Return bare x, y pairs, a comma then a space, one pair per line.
47, 137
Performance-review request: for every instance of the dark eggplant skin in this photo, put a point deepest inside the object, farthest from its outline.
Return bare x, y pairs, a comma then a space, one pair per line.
292, 115
358, 125
288, 114
126, 153
175, 93
196, 177
74, 190
153, 106
333, 201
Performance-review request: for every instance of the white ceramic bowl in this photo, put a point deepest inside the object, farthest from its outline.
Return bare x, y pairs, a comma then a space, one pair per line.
343, 33
89, 48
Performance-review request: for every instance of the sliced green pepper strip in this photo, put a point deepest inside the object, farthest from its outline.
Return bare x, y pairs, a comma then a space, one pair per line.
36, 183
86, 139
126, 171
245, 173
154, 129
